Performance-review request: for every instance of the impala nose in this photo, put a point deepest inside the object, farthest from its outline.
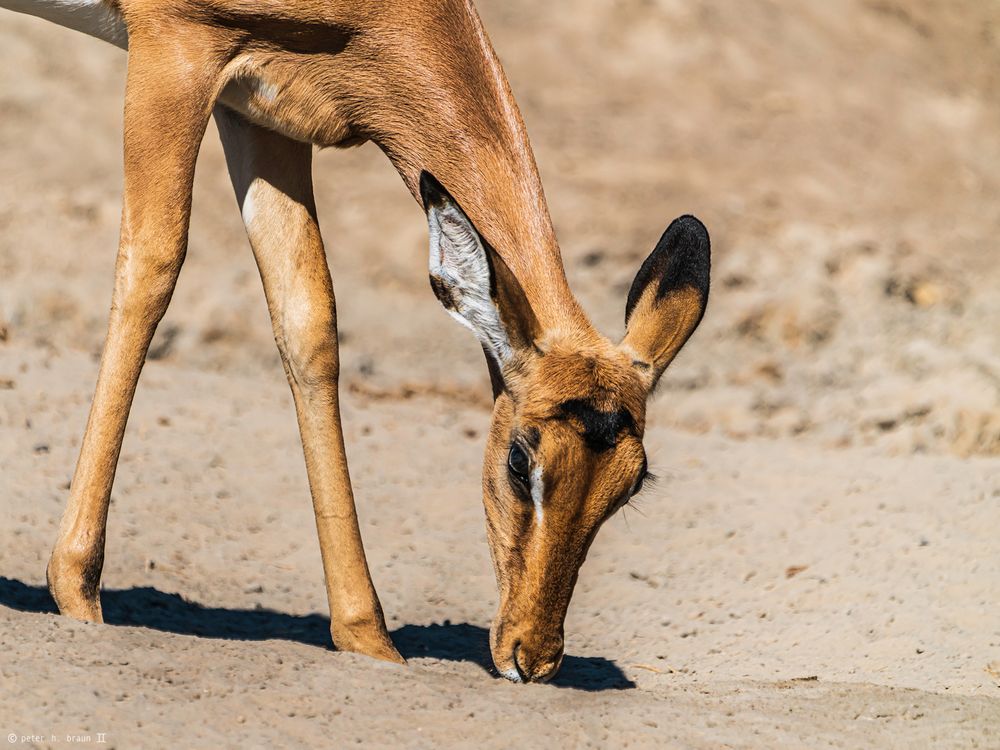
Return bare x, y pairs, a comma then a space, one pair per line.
534, 665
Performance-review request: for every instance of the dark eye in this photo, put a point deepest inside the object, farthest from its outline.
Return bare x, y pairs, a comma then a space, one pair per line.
518, 464
638, 485
642, 478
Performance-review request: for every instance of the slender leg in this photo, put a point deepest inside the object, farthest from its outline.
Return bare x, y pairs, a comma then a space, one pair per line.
272, 178
166, 111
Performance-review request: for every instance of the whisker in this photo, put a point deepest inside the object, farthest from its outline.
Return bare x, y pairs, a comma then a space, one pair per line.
625, 518
635, 507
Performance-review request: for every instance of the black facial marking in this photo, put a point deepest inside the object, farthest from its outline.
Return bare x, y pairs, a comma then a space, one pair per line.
600, 428
532, 437
682, 258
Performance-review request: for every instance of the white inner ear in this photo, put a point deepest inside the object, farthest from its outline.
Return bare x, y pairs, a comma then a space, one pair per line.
458, 262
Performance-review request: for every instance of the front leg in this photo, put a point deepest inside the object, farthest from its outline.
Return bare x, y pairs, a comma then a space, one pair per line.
169, 94
272, 178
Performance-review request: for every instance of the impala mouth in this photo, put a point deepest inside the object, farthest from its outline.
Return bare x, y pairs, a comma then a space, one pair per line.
517, 674
514, 674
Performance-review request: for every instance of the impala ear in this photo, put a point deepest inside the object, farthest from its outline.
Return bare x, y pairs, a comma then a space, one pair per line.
472, 281
668, 297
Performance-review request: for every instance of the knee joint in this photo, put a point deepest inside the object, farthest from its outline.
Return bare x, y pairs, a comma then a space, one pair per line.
308, 344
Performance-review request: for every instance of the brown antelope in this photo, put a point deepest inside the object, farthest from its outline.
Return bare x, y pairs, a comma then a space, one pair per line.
421, 80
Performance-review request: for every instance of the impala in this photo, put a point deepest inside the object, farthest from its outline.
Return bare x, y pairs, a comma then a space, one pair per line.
421, 80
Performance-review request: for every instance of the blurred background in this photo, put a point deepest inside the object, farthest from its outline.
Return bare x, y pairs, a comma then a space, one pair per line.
845, 157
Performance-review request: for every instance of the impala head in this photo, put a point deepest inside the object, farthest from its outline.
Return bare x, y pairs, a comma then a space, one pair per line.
565, 450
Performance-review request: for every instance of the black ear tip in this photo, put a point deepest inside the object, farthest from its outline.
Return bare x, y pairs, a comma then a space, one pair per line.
688, 253
688, 231
432, 192
681, 259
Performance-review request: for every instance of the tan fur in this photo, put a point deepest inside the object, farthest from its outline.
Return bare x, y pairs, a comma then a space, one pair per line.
665, 325
420, 79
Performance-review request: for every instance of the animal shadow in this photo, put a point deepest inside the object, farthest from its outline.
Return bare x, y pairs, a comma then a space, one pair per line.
148, 607
465, 642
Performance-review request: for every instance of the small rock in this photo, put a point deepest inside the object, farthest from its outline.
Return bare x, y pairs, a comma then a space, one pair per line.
925, 294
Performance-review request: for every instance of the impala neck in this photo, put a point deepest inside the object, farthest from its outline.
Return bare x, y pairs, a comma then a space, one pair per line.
461, 124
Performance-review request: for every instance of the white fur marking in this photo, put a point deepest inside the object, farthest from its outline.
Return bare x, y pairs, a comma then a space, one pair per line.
249, 210
267, 91
538, 493
458, 261
512, 674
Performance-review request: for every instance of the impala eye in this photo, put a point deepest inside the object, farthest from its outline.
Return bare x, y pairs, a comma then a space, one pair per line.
642, 478
638, 485
518, 464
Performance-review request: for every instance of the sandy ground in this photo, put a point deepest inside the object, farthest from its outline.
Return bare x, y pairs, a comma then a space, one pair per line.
819, 565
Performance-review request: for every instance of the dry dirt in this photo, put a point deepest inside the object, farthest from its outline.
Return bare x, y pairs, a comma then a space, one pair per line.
819, 565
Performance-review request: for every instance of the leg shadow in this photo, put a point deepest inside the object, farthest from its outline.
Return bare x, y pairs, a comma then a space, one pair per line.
151, 608
147, 607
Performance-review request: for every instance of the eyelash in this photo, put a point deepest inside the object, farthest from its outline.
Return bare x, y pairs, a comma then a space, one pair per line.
644, 476
646, 479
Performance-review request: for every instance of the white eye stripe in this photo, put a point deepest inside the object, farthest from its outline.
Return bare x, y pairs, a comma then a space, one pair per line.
538, 493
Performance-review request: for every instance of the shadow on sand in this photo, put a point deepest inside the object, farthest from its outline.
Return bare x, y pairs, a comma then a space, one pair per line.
150, 608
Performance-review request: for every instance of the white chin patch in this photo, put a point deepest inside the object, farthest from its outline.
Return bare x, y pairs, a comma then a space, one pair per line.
512, 674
